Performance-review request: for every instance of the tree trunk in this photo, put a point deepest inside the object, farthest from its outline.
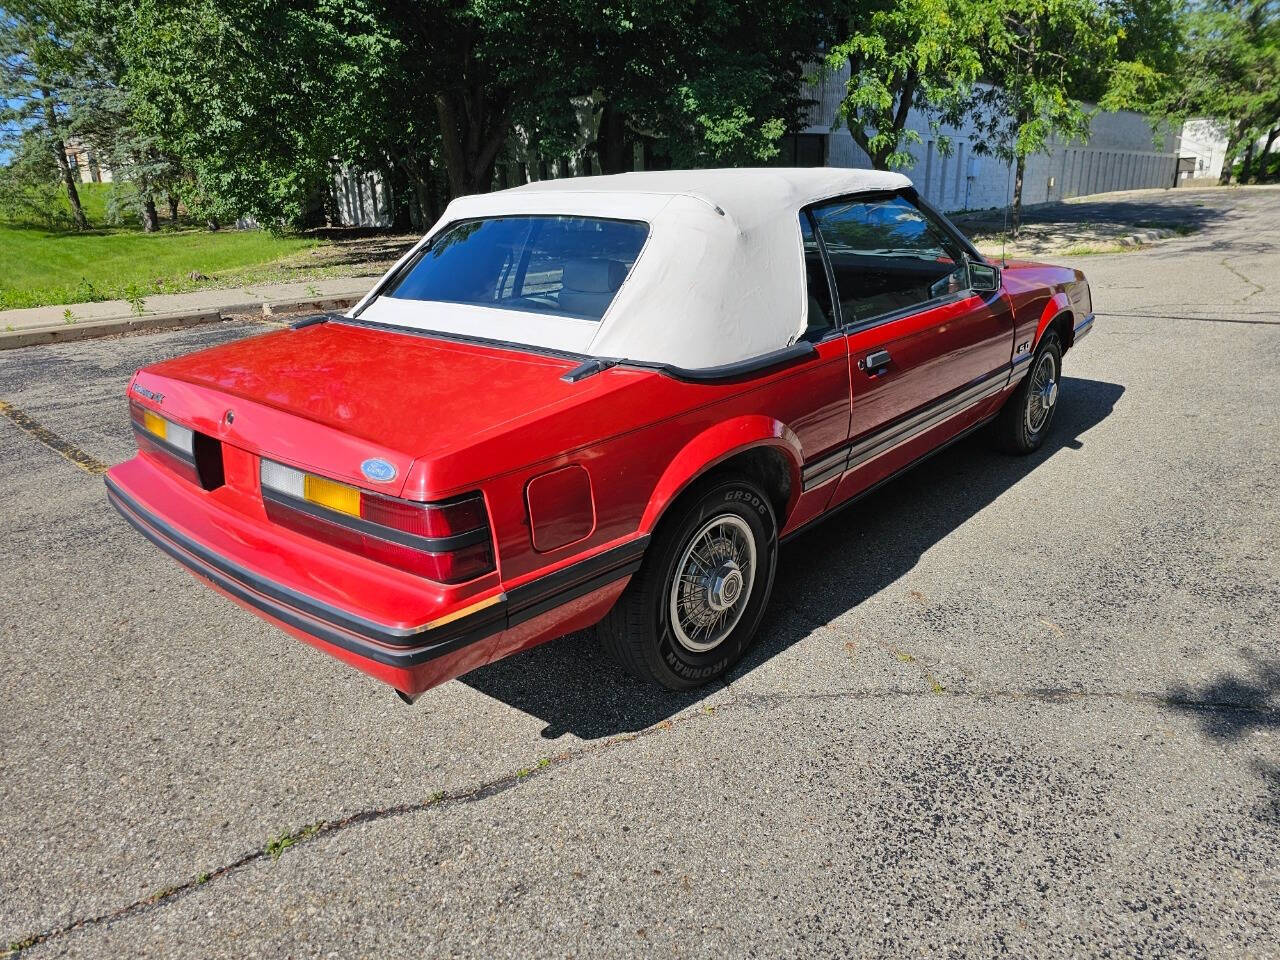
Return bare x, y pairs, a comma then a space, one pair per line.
473, 129
877, 157
173, 207
1265, 172
64, 168
613, 146
69, 183
1229, 155
1015, 218
897, 118
150, 219
1247, 164
401, 221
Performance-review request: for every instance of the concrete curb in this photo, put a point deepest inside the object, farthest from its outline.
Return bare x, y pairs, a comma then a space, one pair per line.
110, 326
1145, 236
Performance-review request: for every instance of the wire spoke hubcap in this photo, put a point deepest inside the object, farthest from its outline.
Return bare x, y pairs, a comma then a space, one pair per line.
1043, 393
712, 583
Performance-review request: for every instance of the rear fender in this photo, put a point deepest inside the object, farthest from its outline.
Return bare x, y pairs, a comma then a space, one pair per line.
716, 445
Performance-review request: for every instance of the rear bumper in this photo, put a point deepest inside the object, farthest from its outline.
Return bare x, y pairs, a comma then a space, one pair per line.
393, 646
1082, 328
410, 657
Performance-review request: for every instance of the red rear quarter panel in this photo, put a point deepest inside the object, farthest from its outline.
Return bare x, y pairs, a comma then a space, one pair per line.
643, 437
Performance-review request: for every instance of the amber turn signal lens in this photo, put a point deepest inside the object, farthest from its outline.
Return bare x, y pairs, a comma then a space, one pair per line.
331, 494
153, 423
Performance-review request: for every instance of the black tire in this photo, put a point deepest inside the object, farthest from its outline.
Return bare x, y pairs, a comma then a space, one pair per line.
1022, 424
639, 632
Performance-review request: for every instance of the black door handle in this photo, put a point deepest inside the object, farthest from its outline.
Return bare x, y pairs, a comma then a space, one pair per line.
875, 363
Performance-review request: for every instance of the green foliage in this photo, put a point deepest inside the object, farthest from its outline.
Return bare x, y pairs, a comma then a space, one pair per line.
903, 54
248, 94
1264, 169
29, 188
700, 83
1039, 57
1040, 54
1228, 71
135, 296
277, 845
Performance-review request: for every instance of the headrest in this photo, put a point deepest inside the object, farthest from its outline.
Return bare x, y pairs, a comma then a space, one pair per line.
593, 276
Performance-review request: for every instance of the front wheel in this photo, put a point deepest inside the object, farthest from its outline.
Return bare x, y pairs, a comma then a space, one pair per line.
692, 609
1024, 421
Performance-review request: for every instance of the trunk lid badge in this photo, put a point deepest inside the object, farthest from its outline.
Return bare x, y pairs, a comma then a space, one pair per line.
378, 470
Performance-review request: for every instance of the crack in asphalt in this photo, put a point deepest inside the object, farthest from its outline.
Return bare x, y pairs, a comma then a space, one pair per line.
1257, 287
275, 847
42, 434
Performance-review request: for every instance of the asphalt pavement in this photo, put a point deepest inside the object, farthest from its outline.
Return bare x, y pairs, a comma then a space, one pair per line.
1020, 707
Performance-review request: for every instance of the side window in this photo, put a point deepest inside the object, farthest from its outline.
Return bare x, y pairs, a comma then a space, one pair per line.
821, 315
887, 256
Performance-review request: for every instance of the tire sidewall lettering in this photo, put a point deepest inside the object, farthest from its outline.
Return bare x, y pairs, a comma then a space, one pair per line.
756, 509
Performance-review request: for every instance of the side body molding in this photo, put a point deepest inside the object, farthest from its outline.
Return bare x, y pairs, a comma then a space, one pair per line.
715, 445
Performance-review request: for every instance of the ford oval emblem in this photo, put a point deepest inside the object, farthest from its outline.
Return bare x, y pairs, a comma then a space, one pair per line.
377, 470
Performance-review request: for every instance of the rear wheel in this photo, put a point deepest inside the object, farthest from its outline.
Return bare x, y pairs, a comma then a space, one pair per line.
691, 610
1024, 421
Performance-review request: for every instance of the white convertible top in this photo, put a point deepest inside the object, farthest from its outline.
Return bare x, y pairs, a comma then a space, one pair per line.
720, 279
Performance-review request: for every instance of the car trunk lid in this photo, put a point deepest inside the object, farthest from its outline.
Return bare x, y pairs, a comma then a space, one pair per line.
329, 397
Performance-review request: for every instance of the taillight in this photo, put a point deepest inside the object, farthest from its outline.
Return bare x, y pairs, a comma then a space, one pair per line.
446, 542
191, 455
171, 444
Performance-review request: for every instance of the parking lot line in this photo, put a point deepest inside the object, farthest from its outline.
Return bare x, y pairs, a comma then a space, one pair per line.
28, 425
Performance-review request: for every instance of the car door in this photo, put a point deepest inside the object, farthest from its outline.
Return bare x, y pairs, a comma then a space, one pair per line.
924, 349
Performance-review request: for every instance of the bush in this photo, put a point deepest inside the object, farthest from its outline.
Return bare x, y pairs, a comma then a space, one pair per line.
1264, 169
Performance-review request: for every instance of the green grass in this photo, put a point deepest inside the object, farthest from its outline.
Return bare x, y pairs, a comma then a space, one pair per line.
108, 263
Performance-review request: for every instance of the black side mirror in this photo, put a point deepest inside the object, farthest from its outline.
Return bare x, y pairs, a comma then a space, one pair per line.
983, 277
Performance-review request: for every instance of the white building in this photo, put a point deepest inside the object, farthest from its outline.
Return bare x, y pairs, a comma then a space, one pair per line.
81, 158
1122, 153
1204, 144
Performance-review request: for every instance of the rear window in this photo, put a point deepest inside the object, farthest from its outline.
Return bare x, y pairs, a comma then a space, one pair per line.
564, 266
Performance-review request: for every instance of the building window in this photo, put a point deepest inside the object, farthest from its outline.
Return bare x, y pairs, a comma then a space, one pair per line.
803, 150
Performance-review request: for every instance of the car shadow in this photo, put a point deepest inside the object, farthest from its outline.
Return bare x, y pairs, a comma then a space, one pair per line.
1232, 707
575, 687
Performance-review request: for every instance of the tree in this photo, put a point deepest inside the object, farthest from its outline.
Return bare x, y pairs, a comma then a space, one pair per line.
482, 63
697, 83
38, 65
1039, 55
903, 54
1232, 69
255, 98
1221, 62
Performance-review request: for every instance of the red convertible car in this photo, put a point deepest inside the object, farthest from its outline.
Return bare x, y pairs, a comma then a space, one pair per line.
597, 400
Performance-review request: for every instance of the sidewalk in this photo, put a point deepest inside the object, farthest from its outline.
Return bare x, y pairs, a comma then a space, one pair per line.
33, 325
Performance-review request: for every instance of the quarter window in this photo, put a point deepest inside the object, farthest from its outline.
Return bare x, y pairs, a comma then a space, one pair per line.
887, 256
821, 316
